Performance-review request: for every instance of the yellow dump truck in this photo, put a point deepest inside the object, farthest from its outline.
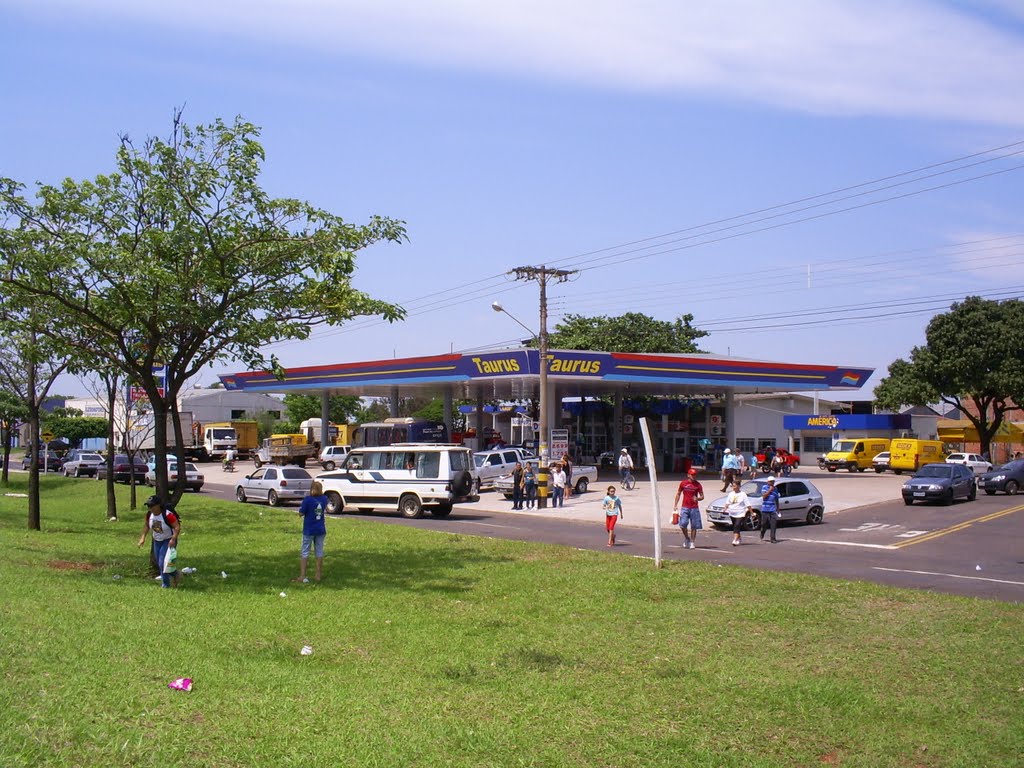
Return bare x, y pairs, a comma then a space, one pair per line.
285, 449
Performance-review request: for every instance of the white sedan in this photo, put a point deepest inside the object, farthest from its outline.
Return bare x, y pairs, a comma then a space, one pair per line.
977, 464
193, 477
274, 484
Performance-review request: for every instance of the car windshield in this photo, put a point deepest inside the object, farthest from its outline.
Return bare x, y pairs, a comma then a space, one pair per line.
843, 446
753, 487
934, 470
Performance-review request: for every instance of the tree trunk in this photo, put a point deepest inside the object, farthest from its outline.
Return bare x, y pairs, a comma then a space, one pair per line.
111, 383
33, 470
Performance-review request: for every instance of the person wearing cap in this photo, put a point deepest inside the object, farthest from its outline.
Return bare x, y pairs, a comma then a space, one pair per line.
769, 508
729, 469
691, 492
625, 464
165, 527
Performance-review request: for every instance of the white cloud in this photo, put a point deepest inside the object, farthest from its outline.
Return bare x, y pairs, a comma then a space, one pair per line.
917, 58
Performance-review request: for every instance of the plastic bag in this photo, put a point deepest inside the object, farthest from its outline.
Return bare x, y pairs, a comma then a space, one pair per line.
675, 517
171, 560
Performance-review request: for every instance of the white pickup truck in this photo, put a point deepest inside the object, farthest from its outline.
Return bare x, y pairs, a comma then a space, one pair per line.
582, 477
490, 465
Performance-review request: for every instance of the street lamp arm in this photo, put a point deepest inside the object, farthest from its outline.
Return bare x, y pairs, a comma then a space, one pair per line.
496, 306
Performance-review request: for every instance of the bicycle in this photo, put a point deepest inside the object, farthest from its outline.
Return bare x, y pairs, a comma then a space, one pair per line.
628, 481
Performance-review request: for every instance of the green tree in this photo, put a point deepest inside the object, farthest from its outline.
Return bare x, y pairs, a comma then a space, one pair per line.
631, 332
341, 408
973, 358
178, 259
12, 411
75, 429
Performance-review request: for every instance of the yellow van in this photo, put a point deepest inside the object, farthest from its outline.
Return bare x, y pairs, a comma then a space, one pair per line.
910, 454
855, 453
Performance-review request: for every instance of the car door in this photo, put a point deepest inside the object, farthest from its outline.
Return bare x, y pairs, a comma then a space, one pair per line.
794, 499
963, 479
254, 486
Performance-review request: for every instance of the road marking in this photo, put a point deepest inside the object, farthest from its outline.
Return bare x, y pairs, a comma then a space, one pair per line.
950, 575
959, 526
844, 543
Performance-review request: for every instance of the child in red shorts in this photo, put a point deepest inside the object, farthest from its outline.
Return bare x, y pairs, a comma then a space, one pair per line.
612, 512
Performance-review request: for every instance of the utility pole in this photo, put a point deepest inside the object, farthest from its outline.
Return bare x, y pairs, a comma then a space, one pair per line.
542, 274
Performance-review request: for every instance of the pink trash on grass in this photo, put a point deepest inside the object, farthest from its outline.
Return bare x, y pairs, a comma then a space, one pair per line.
181, 684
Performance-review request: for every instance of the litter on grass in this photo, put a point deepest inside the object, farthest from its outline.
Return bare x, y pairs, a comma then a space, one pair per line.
223, 575
307, 650
188, 571
284, 594
181, 684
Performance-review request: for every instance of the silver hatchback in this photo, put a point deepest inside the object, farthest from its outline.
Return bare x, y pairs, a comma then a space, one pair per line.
799, 500
274, 485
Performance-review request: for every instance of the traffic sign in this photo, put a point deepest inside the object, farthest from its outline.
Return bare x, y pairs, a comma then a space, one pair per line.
46, 436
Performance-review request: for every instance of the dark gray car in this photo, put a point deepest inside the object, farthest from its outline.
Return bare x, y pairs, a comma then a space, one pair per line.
1009, 478
940, 482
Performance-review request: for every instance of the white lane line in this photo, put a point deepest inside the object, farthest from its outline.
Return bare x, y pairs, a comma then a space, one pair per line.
950, 575
843, 543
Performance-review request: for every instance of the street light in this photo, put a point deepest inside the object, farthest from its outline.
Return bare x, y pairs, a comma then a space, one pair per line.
542, 351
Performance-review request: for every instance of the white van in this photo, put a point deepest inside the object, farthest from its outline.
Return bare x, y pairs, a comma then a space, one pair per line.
409, 477
333, 455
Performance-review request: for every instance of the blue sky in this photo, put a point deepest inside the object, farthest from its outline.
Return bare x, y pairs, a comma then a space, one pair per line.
602, 136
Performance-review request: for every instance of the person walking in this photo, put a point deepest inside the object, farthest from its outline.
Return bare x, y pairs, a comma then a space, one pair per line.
691, 492
625, 465
530, 485
729, 467
612, 512
737, 506
741, 465
517, 486
165, 527
567, 468
769, 508
314, 530
557, 485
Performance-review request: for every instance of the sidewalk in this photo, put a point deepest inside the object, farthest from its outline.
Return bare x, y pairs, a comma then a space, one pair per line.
841, 490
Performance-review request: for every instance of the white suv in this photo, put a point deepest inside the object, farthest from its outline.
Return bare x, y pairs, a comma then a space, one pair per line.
408, 477
490, 465
333, 455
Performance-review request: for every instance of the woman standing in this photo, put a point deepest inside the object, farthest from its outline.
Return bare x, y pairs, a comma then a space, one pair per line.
737, 506
612, 512
530, 485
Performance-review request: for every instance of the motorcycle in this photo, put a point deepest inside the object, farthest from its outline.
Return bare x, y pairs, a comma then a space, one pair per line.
229, 465
821, 462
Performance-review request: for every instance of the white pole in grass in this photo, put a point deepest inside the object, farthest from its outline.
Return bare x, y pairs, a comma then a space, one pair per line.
652, 472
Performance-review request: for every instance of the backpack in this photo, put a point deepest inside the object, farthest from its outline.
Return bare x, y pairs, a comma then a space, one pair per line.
172, 510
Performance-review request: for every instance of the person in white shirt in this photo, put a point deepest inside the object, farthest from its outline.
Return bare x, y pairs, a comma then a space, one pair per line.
557, 486
625, 464
737, 506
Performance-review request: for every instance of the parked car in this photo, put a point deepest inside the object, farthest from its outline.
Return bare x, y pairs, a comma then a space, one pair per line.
799, 501
407, 477
274, 485
977, 464
81, 463
940, 482
582, 477
48, 461
124, 469
193, 477
1008, 478
333, 455
881, 461
490, 465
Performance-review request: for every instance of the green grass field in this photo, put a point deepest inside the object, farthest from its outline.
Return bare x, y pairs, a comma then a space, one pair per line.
448, 650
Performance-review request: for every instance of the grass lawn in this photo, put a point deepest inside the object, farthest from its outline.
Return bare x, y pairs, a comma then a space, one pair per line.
447, 650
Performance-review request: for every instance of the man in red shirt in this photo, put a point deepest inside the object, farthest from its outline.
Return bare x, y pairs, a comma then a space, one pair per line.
691, 492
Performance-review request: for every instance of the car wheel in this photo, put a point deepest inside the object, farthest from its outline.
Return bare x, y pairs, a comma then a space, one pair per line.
272, 499
898, 471
851, 468
582, 485
329, 466
879, 470
335, 506
409, 505
508, 496
463, 484
973, 494
907, 501
257, 462
1011, 488
948, 501
240, 494
442, 510
815, 515
752, 521
831, 469
989, 492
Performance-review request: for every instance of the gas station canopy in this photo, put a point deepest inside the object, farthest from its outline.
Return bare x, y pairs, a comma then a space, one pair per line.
513, 375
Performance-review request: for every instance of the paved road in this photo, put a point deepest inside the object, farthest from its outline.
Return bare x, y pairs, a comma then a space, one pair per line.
971, 548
